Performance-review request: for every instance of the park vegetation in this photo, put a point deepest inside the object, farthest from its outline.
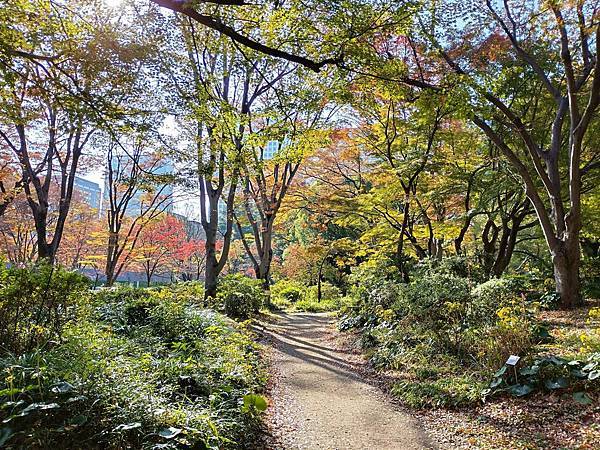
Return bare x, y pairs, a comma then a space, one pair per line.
427, 170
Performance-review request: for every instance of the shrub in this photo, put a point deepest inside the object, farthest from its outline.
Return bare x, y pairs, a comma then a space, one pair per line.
286, 292
489, 297
437, 303
437, 327
178, 376
375, 286
239, 296
192, 291
590, 276
329, 292
35, 303
311, 305
590, 340
456, 266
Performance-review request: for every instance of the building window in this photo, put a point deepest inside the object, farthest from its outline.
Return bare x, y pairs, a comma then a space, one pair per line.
271, 149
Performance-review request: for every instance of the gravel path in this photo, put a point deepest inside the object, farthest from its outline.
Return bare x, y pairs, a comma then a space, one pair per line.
319, 400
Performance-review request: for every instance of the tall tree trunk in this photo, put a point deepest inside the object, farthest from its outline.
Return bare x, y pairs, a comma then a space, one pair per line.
566, 259
210, 279
211, 272
148, 274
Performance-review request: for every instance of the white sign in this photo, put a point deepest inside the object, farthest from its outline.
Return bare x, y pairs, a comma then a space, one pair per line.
512, 360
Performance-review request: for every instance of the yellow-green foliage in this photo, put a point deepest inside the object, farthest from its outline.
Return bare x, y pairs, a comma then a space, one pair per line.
590, 340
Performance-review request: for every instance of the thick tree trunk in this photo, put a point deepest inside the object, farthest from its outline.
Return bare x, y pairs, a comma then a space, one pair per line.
211, 272
489, 238
566, 274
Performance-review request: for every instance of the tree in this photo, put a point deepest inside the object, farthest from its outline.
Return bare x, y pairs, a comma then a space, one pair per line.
17, 232
160, 243
65, 80
529, 72
82, 222
137, 194
285, 131
189, 259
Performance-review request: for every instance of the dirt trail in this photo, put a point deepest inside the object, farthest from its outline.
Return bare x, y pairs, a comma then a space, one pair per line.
319, 400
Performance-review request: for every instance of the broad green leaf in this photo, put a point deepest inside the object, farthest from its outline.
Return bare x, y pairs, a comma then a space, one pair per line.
582, 397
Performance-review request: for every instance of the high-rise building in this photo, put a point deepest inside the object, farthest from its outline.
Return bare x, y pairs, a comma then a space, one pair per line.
89, 190
134, 206
270, 149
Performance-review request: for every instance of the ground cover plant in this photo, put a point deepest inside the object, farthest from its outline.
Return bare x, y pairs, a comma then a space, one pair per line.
135, 368
449, 337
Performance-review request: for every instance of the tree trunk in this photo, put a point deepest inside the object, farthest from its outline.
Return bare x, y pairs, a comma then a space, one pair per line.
566, 274
111, 259
489, 236
211, 273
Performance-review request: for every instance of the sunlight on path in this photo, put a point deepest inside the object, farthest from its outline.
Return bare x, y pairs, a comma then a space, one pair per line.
320, 402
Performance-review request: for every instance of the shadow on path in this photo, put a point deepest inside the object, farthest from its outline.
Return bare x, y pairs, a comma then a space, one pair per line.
320, 400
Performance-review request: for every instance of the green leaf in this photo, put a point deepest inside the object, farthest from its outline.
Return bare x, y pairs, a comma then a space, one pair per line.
559, 383
594, 374
527, 371
496, 382
169, 433
5, 435
579, 374
78, 420
39, 407
500, 371
582, 397
255, 401
62, 388
557, 361
519, 390
590, 366
128, 426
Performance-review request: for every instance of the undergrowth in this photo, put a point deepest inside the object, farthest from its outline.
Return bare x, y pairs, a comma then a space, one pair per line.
135, 369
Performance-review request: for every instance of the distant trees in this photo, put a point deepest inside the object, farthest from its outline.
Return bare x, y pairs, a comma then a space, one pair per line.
136, 196
161, 244
59, 85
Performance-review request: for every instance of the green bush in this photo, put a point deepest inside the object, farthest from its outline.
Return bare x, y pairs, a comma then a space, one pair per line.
489, 297
239, 296
329, 292
143, 369
312, 305
192, 291
35, 303
439, 327
284, 293
456, 266
437, 303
